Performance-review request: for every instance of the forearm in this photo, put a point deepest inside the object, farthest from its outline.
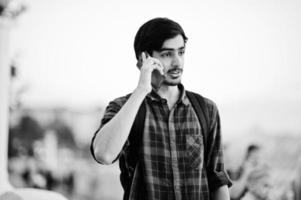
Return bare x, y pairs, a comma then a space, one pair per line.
221, 193
112, 136
238, 188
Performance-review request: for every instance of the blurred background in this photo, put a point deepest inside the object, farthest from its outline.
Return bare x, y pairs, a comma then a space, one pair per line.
68, 59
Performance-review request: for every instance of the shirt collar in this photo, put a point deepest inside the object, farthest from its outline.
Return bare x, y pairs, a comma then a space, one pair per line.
154, 96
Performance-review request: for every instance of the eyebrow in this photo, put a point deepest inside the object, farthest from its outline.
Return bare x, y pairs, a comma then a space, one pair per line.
171, 49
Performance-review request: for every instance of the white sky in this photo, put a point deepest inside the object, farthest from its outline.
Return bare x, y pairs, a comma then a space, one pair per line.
239, 52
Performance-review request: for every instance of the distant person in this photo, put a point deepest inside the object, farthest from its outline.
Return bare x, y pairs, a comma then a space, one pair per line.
173, 148
248, 174
258, 185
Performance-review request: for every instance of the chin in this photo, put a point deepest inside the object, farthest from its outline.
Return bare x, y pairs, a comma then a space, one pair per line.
172, 83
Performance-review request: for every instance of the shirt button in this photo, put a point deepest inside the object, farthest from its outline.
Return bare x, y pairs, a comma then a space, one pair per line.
190, 141
163, 101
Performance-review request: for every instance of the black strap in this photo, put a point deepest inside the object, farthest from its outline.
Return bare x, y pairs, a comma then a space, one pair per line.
135, 137
199, 106
135, 140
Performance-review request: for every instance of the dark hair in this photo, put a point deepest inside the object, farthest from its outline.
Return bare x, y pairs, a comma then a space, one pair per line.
152, 34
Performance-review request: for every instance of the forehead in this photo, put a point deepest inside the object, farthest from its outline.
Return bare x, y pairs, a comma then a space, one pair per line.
174, 43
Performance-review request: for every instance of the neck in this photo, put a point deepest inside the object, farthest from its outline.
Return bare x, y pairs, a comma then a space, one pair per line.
170, 93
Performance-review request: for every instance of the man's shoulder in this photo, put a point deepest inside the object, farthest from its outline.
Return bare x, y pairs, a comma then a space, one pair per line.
122, 98
209, 102
119, 101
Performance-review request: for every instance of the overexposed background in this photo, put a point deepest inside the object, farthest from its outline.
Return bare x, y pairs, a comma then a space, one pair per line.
245, 55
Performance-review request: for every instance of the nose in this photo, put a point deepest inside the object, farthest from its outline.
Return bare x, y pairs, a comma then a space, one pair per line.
177, 61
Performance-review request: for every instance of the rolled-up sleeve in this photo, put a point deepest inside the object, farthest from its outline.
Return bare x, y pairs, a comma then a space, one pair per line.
110, 111
217, 175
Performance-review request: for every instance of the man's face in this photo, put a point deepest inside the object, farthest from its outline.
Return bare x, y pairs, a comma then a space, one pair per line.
171, 55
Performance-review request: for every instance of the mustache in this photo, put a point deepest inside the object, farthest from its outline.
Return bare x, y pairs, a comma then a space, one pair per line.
174, 69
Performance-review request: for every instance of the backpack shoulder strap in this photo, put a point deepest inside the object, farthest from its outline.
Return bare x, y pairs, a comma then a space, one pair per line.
136, 132
199, 106
127, 162
137, 129
138, 125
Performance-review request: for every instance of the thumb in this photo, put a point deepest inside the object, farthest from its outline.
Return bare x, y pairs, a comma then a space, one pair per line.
143, 56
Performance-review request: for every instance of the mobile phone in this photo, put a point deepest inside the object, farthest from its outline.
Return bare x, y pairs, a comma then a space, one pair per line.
157, 78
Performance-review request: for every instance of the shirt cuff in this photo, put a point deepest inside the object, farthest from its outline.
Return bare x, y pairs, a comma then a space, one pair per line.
218, 179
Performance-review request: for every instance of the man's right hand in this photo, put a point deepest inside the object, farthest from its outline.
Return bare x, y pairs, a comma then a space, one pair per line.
149, 64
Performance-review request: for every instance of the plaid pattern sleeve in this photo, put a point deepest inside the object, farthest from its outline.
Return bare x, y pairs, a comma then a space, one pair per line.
217, 175
111, 110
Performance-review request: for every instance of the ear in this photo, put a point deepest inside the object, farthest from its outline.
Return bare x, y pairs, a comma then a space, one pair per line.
139, 61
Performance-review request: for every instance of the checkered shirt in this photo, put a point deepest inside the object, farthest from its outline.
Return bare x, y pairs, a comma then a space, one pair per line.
171, 163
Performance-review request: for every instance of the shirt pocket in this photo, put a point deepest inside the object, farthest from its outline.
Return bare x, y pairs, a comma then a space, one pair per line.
194, 150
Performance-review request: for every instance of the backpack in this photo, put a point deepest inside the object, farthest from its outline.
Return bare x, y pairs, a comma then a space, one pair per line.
127, 163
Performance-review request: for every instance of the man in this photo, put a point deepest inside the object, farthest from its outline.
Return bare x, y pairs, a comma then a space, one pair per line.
170, 163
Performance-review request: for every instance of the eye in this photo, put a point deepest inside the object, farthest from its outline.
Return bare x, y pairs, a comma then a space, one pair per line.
166, 54
181, 52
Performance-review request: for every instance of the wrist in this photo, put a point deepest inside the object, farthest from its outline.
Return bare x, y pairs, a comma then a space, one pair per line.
141, 91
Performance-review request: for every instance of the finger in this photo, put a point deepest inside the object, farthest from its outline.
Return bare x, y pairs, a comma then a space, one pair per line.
147, 54
158, 62
143, 56
159, 68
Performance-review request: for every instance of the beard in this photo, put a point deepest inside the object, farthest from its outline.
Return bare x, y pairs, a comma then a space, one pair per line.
170, 80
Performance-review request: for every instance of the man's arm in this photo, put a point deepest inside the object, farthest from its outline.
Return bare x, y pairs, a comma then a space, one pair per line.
218, 178
221, 193
111, 137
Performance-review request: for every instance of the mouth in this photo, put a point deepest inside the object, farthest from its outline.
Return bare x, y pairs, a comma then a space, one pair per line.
174, 73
